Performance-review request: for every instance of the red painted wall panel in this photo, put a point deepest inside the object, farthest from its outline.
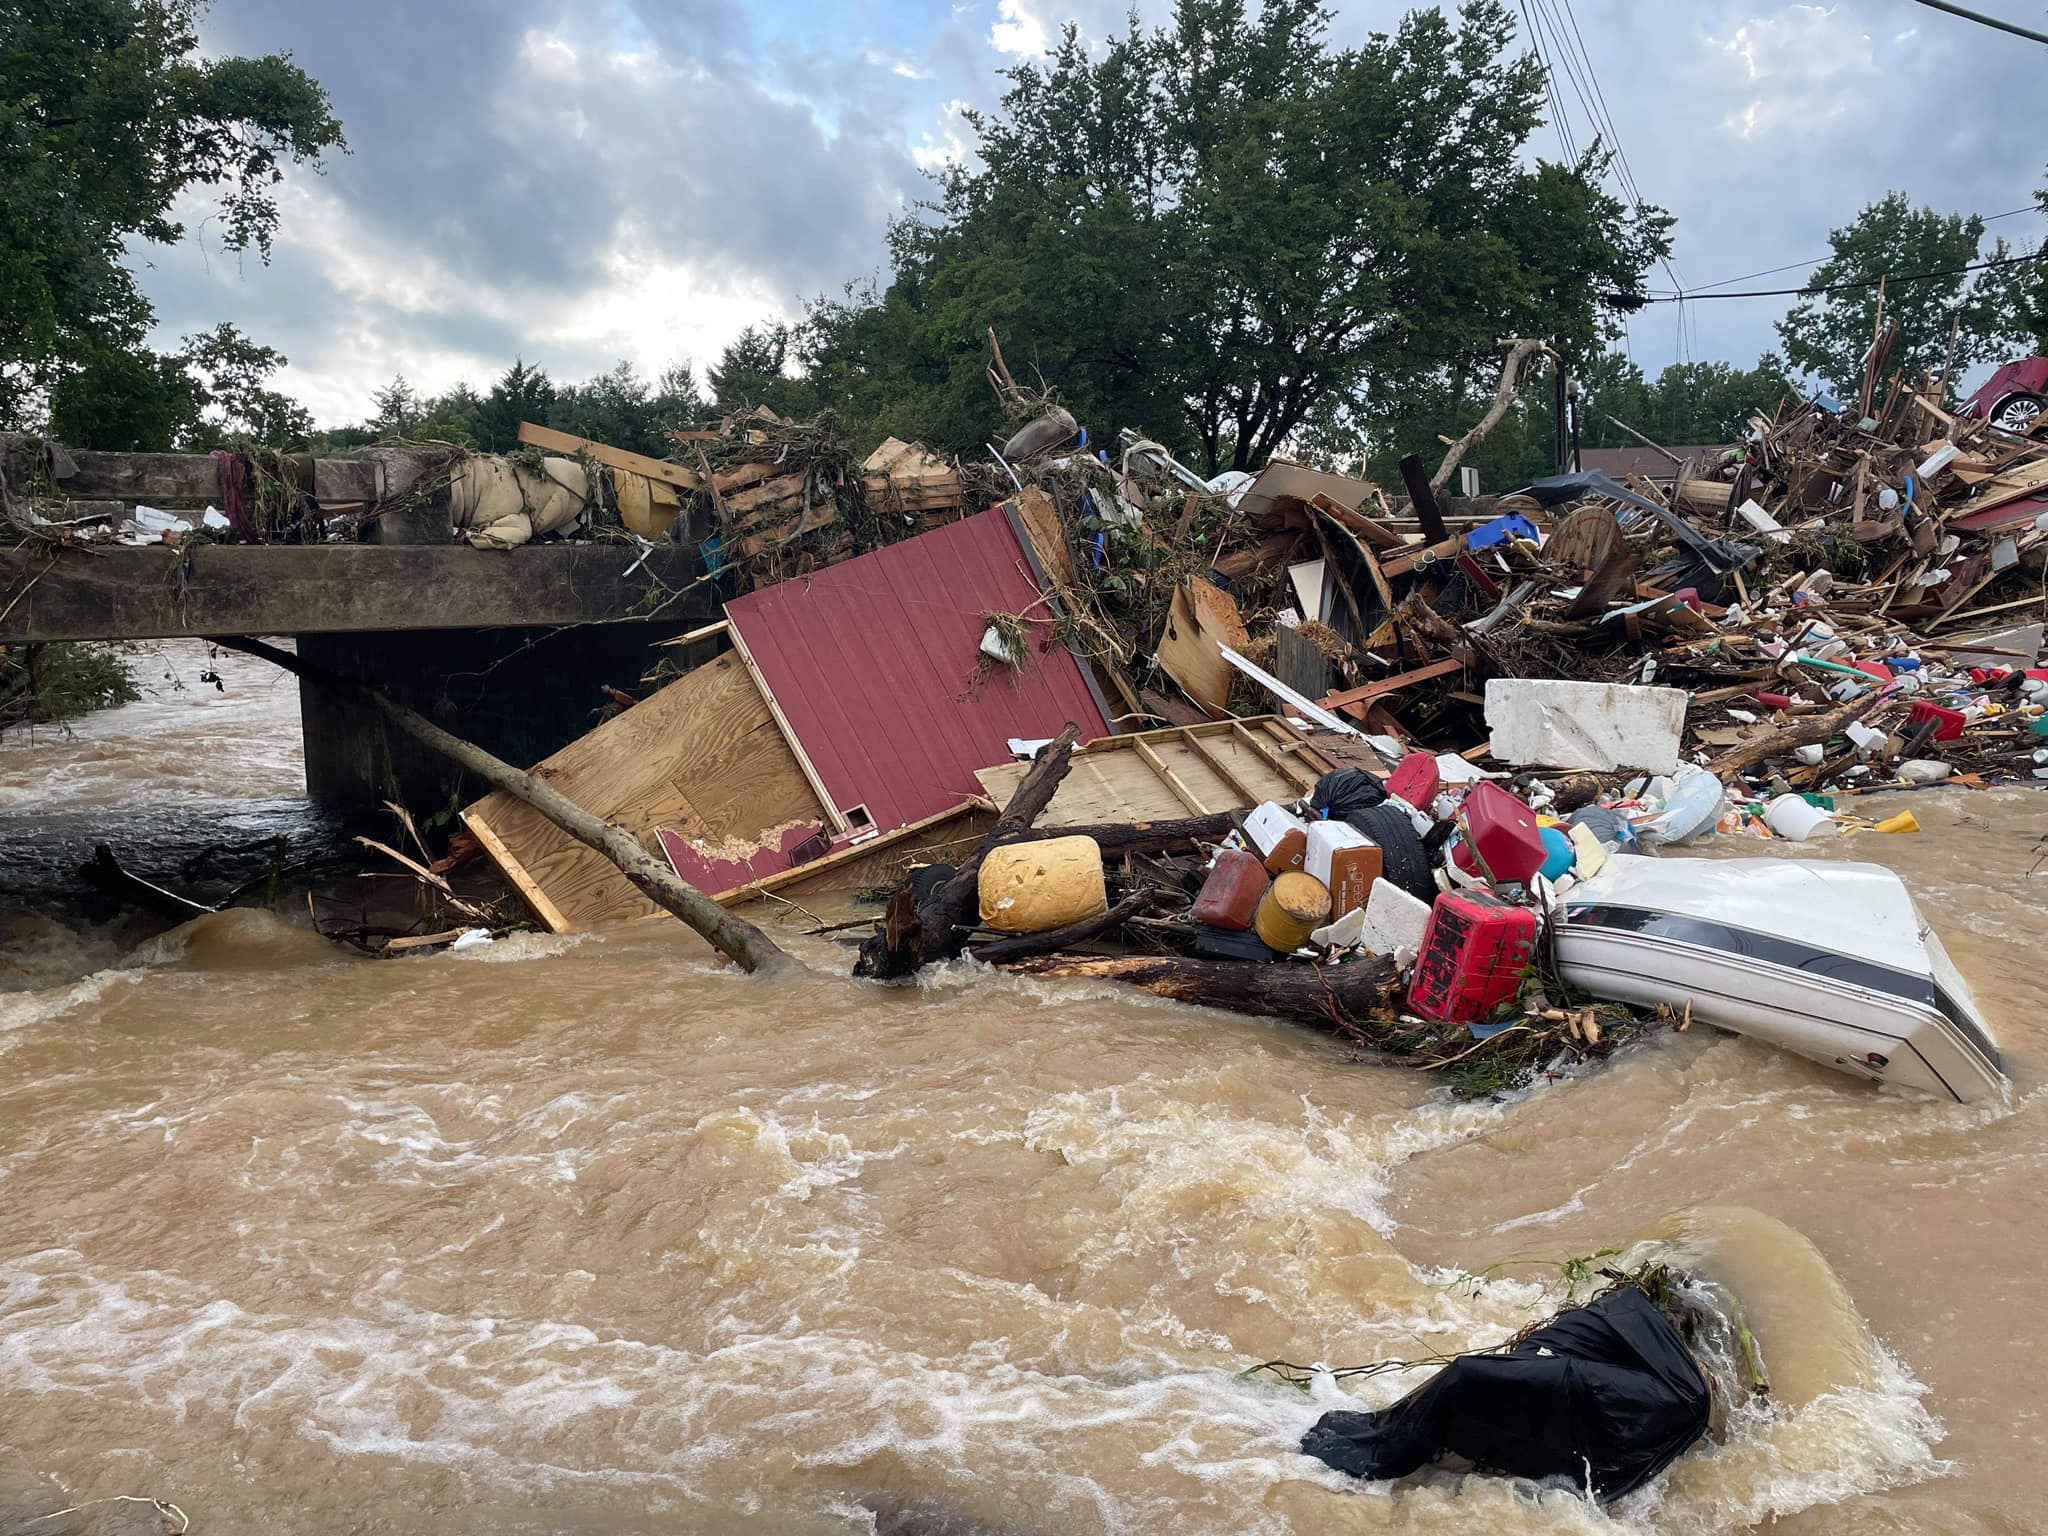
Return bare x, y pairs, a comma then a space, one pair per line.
872, 661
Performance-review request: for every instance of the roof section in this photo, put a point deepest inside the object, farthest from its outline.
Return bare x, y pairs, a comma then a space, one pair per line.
1647, 462
873, 663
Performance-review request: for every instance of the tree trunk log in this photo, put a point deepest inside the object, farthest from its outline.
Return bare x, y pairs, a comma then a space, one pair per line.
734, 937
1359, 999
1801, 733
1118, 838
900, 947
1023, 945
1519, 352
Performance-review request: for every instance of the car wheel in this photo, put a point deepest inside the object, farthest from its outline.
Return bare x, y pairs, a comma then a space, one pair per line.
2017, 413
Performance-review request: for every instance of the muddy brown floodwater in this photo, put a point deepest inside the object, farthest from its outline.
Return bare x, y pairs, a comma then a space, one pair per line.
590, 1235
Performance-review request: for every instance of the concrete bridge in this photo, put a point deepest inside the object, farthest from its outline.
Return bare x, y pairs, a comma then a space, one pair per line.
510, 648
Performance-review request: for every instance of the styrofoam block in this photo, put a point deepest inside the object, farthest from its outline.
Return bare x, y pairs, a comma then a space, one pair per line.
1394, 920
1550, 724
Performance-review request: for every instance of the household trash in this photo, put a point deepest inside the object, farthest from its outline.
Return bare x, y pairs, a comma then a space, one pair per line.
1605, 1396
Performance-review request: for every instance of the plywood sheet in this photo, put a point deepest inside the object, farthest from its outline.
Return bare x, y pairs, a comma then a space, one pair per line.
703, 756
1113, 780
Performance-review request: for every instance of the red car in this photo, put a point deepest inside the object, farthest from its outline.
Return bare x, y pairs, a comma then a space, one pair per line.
2012, 397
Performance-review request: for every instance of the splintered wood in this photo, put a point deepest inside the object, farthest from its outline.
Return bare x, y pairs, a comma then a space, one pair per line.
703, 757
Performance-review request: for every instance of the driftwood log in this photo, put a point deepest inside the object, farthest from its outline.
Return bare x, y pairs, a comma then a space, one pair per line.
1357, 998
734, 937
1801, 733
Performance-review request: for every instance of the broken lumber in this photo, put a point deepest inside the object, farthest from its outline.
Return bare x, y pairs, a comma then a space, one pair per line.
734, 937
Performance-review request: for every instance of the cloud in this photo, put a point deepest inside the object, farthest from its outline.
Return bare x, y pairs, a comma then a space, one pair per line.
1804, 65
577, 183
1019, 30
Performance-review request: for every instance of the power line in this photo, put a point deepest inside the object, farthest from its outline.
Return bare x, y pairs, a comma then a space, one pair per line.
1794, 266
1983, 20
1811, 292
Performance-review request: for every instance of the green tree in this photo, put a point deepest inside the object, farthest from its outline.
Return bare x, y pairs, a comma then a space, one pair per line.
752, 370
1227, 229
1686, 405
521, 393
396, 409
1828, 334
231, 376
615, 407
108, 113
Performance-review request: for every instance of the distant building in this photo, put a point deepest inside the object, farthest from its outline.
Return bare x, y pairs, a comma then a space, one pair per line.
1648, 462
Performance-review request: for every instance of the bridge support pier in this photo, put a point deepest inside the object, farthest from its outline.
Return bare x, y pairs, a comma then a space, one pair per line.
517, 693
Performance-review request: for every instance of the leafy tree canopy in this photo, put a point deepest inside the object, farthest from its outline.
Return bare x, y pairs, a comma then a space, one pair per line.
1223, 228
107, 115
1827, 335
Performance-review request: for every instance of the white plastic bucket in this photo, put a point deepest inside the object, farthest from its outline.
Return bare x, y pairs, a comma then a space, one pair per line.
1794, 818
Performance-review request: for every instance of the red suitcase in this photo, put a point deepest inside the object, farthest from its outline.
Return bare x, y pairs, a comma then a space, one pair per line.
1475, 949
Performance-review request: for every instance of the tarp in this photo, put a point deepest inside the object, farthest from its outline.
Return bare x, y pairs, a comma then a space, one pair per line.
1607, 1395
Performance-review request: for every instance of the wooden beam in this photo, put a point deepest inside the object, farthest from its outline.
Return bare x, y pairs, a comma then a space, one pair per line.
1287, 769
612, 458
1217, 766
1355, 696
1170, 779
796, 747
529, 889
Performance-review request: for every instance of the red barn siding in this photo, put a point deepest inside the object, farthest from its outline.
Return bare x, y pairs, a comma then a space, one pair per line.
871, 660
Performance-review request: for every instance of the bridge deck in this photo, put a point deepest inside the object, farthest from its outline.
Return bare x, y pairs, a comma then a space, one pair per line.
122, 593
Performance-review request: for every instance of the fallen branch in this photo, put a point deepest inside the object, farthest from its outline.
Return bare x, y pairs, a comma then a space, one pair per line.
734, 937
1519, 352
1357, 999
1802, 733
1024, 945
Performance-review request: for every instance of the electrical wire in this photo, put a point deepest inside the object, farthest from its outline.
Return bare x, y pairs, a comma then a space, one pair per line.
1983, 20
1794, 266
1812, 292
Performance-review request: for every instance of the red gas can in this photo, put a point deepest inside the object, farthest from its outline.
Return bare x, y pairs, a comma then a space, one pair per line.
1415, 781
1475, 948
1502, 842
1231, 895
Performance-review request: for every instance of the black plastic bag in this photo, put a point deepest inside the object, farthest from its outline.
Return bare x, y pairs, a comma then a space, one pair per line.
1607, 1395
1345, 790
1406, 861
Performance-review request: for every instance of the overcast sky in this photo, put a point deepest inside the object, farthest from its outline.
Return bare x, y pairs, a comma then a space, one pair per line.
579, 183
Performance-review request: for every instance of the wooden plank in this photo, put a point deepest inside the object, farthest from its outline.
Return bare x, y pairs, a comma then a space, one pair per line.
702, 756
739, 478
789, 736
551, 441
528, 888
1170, 779
1194, 743
1291, 771
701, 632
155, 592
1422, 499
1356, 696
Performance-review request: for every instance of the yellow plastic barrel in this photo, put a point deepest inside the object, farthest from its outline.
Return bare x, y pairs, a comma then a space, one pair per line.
1294, 908
1036, 887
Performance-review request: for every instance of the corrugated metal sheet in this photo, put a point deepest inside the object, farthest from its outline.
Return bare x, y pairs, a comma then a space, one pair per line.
873, 660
